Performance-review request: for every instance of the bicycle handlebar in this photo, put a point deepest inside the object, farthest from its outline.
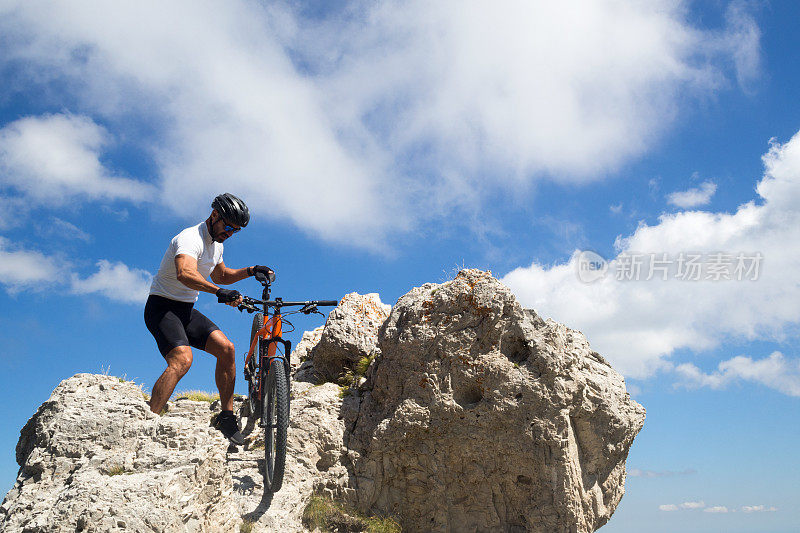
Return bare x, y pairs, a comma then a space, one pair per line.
309, 306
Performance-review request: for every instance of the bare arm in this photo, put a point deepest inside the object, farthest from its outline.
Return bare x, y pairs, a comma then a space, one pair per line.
223, 275
186, 269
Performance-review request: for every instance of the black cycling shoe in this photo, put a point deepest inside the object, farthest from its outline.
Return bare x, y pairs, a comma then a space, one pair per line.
229, 427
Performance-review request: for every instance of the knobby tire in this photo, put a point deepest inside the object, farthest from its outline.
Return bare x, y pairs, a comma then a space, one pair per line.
276, 409
253, 400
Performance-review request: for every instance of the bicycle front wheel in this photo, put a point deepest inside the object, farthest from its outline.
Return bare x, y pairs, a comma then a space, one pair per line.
276, 413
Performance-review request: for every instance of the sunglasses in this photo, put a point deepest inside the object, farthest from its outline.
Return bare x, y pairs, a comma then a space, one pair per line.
228, 227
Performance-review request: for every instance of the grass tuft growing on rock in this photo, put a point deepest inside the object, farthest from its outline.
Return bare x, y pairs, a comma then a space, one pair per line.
363, 364
327, 515
246, 527
346, 379
198, 396
115, 470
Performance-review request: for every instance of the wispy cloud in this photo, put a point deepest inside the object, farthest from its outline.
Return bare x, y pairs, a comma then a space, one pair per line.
30, 270
716, 509
636, 472
390, 113
671, 507
55, 227
776, 372
55, 159
758, 509
693, 505
637, 324
693, 197
25, 269
115, 281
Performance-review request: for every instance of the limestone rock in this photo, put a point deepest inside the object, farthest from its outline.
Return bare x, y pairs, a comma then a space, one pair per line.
350, 334
481, 416
94, 458
475, 415
302, 365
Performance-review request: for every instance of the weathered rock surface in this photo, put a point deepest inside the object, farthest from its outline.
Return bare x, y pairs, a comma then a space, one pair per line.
475, 415
94, 458
350, 334
481, 416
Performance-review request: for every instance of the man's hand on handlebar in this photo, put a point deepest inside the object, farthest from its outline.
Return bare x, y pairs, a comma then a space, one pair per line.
264, 272
229, 296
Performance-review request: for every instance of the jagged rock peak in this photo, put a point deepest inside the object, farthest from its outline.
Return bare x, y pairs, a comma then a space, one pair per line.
350, 334
480, 415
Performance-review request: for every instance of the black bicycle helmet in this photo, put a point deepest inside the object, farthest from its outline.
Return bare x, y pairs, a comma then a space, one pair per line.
232, 209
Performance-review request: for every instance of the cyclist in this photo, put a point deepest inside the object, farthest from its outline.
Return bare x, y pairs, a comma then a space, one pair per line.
193, 255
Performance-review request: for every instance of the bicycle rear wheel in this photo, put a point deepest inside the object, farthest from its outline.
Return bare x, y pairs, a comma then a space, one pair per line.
252, 381
276, 418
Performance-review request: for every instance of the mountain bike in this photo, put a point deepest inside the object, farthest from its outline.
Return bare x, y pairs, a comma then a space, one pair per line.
267, 372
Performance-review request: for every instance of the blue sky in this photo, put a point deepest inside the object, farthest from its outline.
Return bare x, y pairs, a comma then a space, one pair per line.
380, 148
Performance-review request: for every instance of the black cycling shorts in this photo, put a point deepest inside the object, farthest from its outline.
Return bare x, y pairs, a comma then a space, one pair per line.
175, 323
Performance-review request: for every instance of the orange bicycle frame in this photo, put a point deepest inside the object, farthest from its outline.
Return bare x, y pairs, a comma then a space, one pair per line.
270, 332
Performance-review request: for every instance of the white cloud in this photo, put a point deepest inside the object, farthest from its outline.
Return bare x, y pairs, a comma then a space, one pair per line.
25, 269
56, 227
116, 281
636, 472
354, 126
776, 372
32, 270
53, 159
670, 507
693, 505
637, 324
758, 509
229, 110
570, 89
616, 208
693, 197
744, 38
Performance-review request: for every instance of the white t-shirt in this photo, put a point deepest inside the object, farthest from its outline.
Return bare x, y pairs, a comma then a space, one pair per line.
195, 242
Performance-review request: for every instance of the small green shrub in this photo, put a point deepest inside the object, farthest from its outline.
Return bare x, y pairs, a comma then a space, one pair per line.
363, 364
327, 515
246, 527
346, 379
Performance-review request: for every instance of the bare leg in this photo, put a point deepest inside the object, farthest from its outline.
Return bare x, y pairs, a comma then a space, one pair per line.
220, 347
179, 359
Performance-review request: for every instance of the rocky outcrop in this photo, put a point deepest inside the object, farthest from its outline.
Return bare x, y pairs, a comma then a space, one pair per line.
481, 416
474, 415
94, 458
350, 335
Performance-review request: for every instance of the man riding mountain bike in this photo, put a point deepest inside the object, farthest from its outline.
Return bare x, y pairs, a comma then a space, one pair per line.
191, 257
